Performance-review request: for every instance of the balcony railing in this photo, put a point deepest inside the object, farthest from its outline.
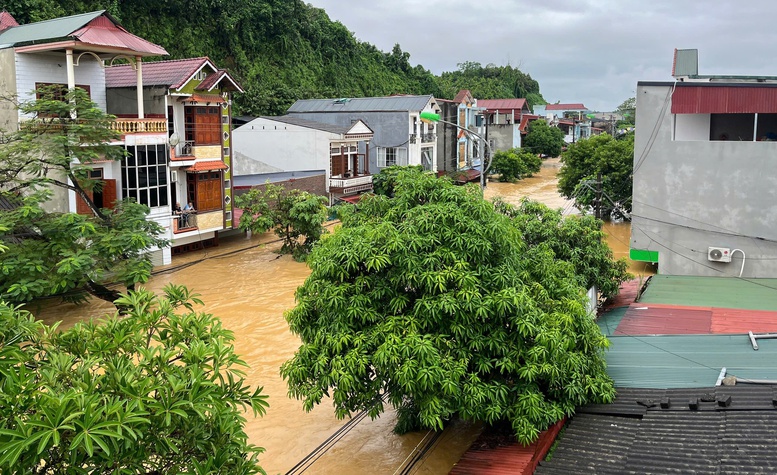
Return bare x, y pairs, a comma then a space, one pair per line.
350, 185
134, 126
184, 222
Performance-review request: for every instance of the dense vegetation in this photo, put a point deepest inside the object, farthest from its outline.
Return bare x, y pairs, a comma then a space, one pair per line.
544, 139
514, 164
284, 50
582, 163
433, 302
66, 253
160, 391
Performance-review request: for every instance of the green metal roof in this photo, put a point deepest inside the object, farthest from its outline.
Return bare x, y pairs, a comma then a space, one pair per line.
687, 361
610, 320
44, 31
723, 292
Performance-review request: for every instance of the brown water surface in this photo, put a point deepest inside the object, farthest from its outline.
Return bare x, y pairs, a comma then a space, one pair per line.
249, 286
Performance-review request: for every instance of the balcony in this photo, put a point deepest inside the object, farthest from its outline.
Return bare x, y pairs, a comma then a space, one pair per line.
349, 186
184, 222
136, 126
427, 138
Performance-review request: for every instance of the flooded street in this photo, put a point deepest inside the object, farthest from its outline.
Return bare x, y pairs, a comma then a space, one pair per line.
249, 286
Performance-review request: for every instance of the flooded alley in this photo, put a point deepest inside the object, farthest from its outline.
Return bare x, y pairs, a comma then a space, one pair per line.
249, 286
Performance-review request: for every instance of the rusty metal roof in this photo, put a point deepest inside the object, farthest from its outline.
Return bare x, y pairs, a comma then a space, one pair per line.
363, 104
91, 29
207, 166
724, 99
657, 319
172, 74
492, 105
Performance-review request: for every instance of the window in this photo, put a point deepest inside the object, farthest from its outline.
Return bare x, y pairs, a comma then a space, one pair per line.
390, 156
732, 127
203, 125
144, 174
426, 158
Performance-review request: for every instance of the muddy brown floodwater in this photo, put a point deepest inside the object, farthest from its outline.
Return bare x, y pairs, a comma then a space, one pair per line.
247, 285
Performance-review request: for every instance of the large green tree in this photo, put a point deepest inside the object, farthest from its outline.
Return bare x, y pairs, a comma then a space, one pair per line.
433, 301
490, 82
64, 253
576, 239
514, 164
159, 392
585, 160
543, 139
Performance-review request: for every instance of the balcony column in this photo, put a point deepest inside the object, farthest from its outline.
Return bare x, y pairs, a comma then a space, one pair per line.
139, 71
367, 157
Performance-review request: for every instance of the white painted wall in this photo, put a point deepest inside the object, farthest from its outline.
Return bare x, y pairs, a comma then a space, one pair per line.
33, 68
268, 146
690, 127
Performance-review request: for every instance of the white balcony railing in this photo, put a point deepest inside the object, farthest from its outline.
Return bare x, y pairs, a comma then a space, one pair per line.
134, 126
350, 182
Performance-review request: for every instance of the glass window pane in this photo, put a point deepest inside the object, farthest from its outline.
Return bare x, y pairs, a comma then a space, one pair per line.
131, 156
152, 181
154, 199
142, 177
151, 155
143, 197
141, 154
162, 196
162, 174
132, 180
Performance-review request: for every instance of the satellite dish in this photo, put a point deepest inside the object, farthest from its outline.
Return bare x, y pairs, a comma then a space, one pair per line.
174, 140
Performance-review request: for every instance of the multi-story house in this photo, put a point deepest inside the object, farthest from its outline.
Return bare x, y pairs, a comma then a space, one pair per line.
193, 98
503, 121
321, 158
705, 184
74, 52
458, 150
570, 118
400, 137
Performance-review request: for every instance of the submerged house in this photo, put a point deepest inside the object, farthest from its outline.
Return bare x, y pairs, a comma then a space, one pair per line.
73, 52
321, 158
705, 200
400, 137
194, 100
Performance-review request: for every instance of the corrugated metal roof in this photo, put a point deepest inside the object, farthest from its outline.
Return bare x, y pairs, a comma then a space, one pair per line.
362, 104
172, 74
565, 107
94, 28
310, 124
513, 459
723, 292
503, 104
687, 361
724, 100
661, 319
207, 165
213, 79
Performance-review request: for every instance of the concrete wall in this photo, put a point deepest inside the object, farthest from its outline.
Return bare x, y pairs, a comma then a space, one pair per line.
312, 184
392, 129
9, 118
34, 68
505, 137
265, 146
690, 195
123, 101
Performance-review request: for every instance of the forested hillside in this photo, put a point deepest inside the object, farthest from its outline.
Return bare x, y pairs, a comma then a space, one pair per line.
284, 50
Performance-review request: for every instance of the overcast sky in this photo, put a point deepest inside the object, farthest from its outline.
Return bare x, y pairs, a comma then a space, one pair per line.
589, 51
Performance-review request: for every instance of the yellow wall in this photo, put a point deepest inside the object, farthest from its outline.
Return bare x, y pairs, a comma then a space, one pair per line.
207, 151
211, 220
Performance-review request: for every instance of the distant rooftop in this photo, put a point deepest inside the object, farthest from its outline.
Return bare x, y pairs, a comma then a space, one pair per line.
362, 104
724, 292
566, 107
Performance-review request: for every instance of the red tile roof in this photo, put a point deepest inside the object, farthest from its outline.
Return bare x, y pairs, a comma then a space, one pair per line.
7, 20
525, 122
565, 107
207, 165
103, 32
172, 74
208, 98
462, 96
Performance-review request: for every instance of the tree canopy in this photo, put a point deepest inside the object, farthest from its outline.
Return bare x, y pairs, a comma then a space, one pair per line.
64, 253
514, 164
296, 216
543, 139
160, 391
584, 160
433, 301
284, 50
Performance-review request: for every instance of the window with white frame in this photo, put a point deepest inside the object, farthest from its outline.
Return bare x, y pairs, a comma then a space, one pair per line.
390, 156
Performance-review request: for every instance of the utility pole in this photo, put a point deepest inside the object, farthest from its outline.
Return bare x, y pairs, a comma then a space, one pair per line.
598, 200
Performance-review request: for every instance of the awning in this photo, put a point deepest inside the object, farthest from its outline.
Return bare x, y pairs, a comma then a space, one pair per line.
724, 100
206, 98
207, 166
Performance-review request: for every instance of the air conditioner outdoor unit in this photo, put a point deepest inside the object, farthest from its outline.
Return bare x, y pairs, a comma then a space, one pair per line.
719, 254
174, 176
